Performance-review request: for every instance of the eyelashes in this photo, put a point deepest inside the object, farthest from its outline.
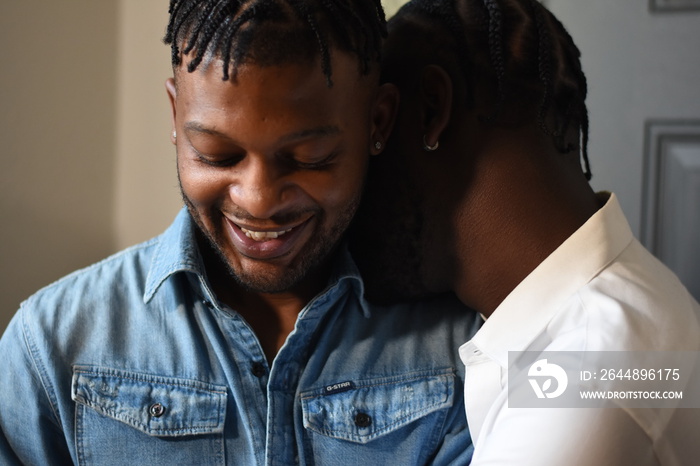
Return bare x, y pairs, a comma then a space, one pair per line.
218, 162
317, 165
289, 161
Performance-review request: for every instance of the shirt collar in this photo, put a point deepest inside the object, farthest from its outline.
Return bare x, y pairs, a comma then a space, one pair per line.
177, 251
345, 270
528, 309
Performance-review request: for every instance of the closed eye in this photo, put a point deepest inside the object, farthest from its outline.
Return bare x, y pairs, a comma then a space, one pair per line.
317, 164
227, 160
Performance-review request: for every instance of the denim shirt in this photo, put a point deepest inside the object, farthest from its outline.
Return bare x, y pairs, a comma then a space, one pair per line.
134, 361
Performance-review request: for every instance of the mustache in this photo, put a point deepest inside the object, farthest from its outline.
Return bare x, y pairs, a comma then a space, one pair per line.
281, 218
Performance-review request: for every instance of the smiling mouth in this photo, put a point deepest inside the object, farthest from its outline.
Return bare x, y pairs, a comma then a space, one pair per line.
267, 244
261, 236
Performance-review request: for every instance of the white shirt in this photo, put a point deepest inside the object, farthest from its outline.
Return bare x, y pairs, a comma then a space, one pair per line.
599, 291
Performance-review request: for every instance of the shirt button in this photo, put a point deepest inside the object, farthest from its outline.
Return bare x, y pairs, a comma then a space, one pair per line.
259, 369
156, 410
363, 420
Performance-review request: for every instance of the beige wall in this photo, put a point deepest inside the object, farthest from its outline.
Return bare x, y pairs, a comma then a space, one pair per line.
147, 195
86, 164
392, 6
57, 141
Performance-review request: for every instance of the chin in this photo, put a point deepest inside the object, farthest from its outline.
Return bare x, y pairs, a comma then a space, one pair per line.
270, 278
270, 283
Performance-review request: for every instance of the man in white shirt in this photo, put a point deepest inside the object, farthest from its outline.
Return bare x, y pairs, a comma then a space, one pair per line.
482, 192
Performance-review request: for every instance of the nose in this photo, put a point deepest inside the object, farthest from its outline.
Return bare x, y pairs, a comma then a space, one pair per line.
261, 189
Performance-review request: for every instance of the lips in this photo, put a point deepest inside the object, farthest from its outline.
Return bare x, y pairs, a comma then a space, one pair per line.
265, 244
263, 235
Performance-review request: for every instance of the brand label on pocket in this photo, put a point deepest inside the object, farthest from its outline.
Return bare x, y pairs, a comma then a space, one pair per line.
338, 387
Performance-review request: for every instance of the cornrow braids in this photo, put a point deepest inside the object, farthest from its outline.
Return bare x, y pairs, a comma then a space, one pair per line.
268, 32
445, 13
303, 13
264, 11
496, 50
176, 11
518, 48
544, 62
572, 63
207, 30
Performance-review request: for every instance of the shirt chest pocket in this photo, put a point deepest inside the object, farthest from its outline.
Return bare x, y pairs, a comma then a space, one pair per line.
377, 410
135, 418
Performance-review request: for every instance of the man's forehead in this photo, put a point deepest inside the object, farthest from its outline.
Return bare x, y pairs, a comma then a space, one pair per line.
290, 98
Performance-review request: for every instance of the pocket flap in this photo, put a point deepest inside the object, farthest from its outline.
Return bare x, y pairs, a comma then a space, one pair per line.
361, 411
155, 405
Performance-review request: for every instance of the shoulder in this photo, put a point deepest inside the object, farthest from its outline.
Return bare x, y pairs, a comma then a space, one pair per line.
638, 303
88, 299
125, 269
438, 314
428, 331
87, 314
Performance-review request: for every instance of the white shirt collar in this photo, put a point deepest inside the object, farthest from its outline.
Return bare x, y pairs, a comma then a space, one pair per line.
528, 309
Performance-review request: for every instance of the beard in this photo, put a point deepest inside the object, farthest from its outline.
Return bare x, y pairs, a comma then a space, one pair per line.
313, 255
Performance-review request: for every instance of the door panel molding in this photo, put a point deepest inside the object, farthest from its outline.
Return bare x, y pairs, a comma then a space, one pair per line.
671, 197
661, 6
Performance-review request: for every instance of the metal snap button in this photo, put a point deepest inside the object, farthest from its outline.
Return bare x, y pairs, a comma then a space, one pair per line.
156, 410
363, 420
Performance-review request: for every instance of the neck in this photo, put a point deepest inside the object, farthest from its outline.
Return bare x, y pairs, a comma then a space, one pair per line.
271, 316
528, 205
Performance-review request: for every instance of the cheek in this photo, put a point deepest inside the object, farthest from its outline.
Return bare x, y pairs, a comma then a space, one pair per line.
340, 189
332, 194
202, 187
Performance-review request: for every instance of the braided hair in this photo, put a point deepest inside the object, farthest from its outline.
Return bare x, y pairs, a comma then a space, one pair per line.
520, 50
268, 32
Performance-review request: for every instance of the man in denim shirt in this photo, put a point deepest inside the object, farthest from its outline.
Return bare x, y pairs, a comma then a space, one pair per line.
241, 335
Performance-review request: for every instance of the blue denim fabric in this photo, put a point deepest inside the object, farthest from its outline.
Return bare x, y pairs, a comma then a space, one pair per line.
134, 361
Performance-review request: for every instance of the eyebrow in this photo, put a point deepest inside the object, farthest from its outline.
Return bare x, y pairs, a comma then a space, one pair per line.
200, 128
321, 131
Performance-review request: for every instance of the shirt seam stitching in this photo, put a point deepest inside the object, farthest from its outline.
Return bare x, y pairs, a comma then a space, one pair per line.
35, 357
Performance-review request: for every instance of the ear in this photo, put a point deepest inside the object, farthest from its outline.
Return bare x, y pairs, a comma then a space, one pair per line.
386, 105
436, 102
172, 96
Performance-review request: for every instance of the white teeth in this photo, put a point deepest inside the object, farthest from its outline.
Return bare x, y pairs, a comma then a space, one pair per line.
263, 235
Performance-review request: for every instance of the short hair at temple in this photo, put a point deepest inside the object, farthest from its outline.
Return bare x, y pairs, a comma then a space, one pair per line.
515, 48
271, 32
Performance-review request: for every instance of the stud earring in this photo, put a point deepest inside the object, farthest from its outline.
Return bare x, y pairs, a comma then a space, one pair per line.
378, 145
428, 147
174, 134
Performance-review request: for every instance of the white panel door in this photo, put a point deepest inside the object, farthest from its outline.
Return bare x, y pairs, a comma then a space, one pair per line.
642, 60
